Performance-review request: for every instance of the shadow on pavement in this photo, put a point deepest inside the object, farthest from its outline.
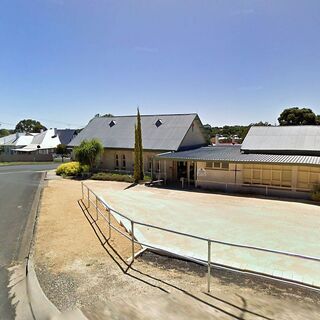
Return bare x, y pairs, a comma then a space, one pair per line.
127, 267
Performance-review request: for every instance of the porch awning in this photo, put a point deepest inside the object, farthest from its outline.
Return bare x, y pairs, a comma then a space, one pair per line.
234, 154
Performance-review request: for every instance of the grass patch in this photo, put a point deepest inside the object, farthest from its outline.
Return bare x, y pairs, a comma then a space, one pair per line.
107, 176
122, 177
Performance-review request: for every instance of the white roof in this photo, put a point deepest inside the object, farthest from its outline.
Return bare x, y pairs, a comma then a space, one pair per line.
294, 139
23, 140
8, 139
44, 140
18, 139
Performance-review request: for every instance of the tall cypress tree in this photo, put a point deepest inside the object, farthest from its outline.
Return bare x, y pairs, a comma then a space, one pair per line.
138, 150
139, 133
136, 168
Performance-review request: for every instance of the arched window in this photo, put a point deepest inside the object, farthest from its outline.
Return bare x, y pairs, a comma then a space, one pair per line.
116, 161
124, 164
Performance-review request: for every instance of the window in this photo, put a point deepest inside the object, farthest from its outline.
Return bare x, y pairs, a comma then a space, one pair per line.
225, 165
112, 123
124, 165
209, 164
149, 164
158, 166
158, 123
221, 165
216, 165
116, 161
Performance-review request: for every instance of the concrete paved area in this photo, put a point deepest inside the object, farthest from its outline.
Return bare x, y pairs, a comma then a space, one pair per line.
18, 185
279, 225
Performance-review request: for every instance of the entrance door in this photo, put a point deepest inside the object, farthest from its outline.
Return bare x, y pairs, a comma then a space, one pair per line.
181, 170
191, 173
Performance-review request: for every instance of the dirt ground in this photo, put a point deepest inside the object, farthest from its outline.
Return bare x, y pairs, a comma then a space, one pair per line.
78, 266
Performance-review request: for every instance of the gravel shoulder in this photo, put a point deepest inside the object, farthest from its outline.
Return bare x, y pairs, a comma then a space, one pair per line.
78, 267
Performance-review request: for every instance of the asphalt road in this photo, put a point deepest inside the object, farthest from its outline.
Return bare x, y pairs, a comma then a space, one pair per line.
18, 185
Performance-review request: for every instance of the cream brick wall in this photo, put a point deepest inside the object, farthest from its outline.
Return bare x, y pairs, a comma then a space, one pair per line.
107, 161
293, 177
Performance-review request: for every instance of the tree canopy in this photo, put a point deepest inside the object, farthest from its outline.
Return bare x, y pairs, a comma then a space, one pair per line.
29, 125
297, 116
4, 132
88, 151
235, 130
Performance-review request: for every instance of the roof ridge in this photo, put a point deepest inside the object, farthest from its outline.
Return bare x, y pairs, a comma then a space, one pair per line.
299, 126
152, 115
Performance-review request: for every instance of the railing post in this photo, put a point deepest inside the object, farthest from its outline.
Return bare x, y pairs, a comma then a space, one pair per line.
209, 264
82, 191
109, 213
88, 198
132, 239
97, 212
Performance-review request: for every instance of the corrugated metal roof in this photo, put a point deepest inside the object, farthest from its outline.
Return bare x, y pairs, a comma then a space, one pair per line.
120, 134
233, 154
23, 140
45, 140
283, 139
8, 140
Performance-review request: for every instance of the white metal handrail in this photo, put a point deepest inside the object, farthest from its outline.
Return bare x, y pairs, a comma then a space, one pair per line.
208, 240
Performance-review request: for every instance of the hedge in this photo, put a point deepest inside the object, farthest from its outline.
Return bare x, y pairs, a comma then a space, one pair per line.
71, 169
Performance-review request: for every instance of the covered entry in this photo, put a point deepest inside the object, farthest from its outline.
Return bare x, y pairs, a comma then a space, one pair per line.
186, 173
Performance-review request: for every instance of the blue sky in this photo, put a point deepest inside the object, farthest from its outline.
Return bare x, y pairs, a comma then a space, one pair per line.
232, 61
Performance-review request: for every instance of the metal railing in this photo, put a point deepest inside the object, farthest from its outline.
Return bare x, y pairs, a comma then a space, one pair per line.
86, 194
247, 185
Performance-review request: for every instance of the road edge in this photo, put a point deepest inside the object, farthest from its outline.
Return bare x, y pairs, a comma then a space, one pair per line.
40, 305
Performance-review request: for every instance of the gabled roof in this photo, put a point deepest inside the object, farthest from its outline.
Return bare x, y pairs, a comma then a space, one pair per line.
23, 140
65, 135
234, 154
299, 140
8, 140
45, 140
159, 132
17, 139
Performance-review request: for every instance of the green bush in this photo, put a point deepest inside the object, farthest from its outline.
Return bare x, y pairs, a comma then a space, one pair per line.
106, 176
315, 195
85, 168
72, 169
88, 152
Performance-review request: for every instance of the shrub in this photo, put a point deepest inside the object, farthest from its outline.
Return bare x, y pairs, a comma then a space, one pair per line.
88, 152
72, 169
106, 176
315, 195
85, 168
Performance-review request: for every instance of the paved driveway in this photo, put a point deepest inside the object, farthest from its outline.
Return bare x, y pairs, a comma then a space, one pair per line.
18, 185
279, 225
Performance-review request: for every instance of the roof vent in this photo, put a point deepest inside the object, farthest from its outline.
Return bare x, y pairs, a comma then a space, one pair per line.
112, 123
158, 123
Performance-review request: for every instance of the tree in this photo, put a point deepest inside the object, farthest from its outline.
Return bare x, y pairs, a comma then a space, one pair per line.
88, 152
4, 132
297, 116
138, 150
62, 150
29, 125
